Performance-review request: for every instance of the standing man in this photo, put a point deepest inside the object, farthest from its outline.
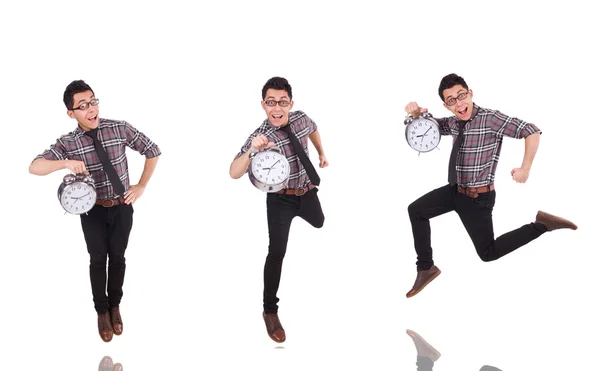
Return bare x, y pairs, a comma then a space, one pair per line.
290, 132
470, 191
97, 147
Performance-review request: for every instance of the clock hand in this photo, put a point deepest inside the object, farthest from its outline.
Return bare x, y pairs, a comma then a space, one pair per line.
425, 133
78, 198
275, 164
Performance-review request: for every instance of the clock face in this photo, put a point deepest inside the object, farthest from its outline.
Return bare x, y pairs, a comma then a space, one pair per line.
270, 167
423, 135
78, 198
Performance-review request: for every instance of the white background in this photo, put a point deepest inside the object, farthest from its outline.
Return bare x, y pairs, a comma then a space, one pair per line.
189, 75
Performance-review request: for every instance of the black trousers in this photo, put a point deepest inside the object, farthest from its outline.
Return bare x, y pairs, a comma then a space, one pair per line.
281, 209
106, 231
476, 216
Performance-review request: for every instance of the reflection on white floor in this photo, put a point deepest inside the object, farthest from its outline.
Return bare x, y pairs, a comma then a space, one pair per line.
107, 364
427, 354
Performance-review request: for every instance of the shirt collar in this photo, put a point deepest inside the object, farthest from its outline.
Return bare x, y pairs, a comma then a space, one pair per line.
79, 132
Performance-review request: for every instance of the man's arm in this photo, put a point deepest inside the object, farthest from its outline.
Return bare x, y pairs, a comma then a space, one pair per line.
43, 166
135, 191
315, 138
532, 142
240, 164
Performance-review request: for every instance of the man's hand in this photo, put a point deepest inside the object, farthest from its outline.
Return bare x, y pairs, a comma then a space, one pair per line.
519, 175
413, 107
134, 193
260, 142
76, 167
323, 161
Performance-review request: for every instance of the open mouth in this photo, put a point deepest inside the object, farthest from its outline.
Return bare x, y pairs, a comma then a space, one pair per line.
93, 119
277, 117
463, 111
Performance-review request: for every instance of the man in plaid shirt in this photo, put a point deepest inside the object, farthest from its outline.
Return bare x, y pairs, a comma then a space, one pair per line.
470, 191
107, 225
298, 199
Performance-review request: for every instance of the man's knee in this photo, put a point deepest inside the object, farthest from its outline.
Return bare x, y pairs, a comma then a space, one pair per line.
319, 223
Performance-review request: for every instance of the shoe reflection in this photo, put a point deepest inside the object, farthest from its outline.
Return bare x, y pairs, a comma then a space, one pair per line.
427, 354
106, 364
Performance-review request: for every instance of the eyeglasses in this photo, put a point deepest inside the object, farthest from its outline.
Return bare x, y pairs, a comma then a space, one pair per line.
273, 103
461, 96
85, 105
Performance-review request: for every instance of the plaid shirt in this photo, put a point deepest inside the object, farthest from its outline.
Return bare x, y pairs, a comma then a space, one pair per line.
114, 136
479, 154
300, 124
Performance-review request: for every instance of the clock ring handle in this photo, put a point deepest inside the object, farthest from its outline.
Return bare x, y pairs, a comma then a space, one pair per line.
275, 148
416, 115
85, 177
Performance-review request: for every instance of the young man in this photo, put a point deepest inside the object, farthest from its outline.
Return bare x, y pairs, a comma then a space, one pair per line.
97, 147
471, 193
285, 130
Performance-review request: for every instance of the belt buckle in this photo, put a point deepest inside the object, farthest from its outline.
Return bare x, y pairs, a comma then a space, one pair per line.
105, 203
303, 190
472, 192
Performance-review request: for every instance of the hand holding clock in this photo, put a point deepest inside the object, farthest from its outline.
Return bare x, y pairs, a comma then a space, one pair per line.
413, 107
77, 167
260, 142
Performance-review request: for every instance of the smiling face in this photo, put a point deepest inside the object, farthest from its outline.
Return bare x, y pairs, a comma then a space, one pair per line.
277, 115
462, 109
87, 118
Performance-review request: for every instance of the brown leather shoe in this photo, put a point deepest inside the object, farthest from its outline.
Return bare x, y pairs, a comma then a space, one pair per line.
553, 222
423, 347
423, 279
116, 321
274, 328
104, 327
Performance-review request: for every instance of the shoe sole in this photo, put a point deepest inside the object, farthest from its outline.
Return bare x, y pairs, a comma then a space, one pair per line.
107, 341
425, 285
572, 225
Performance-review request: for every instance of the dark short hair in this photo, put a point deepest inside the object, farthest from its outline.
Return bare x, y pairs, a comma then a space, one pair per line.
77, 86
277, 83
449, 81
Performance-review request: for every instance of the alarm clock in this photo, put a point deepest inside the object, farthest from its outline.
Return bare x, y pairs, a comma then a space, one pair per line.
77, 193
422, 133
269, 169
